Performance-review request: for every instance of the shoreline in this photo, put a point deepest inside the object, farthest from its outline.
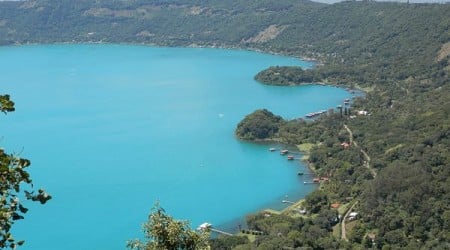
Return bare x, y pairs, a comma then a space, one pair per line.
304, 149
315, 61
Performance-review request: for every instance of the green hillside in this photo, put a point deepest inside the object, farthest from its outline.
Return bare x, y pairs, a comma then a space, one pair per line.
395, 170
162, 22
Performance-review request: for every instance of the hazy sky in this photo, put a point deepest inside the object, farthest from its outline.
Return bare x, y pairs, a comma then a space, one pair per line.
335, 1
411, 1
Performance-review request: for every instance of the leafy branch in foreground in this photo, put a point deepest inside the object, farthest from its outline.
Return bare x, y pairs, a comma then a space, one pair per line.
6, 105
13, 175
164, 232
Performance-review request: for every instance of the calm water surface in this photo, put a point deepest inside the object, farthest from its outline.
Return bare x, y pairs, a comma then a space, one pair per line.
111, 129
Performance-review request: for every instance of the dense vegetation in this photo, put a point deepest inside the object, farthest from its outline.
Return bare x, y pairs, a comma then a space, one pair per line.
395, 169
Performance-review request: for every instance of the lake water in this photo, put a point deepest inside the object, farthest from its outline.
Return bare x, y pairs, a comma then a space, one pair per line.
111, 129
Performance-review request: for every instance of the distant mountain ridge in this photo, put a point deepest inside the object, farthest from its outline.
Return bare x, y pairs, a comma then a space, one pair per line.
300, 28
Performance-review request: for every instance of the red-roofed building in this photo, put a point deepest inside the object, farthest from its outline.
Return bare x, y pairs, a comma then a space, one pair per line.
335, 205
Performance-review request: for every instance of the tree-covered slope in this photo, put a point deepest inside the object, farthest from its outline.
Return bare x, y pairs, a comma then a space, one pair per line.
176, 22
372, 42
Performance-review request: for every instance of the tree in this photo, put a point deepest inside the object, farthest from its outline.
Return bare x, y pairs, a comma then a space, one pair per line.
13, 176
164, 232
316, 200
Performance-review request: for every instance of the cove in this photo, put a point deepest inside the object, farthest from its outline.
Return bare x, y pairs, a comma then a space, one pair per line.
111, 129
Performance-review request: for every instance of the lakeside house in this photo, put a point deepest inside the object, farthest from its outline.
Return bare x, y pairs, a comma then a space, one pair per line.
204, 226
345, 145
352, 215
335, 205
324, 178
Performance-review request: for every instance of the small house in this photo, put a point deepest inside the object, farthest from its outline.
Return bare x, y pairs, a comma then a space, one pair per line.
335, 205
345, 145
204, 226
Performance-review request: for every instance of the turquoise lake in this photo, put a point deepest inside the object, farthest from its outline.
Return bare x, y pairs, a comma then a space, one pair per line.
111, 129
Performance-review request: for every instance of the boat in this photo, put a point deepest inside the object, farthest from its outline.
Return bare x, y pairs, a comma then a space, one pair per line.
300, 173
284, 151
315, 114
290, 157
272, 149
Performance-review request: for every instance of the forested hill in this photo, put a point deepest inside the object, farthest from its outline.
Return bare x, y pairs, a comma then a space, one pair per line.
367, 36
167, 22
394, 167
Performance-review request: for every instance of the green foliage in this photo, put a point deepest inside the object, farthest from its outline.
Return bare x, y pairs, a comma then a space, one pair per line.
13, 178
261, 124
164, 232
6, 105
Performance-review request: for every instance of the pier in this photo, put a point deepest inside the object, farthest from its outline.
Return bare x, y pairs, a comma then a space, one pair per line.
209, 227
220, 232
310, 182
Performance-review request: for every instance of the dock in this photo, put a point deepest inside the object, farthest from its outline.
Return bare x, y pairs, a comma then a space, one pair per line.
310, 182
220, 232
209, 227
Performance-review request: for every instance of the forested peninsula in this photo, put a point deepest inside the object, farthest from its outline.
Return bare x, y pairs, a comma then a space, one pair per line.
386, 157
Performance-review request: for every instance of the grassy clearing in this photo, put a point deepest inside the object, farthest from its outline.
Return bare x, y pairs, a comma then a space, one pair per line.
305, 147
272, 211
349, 226
337, 231
250, 237
365, 89
343, 208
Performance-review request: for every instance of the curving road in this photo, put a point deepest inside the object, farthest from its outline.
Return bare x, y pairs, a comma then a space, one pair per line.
366, 156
